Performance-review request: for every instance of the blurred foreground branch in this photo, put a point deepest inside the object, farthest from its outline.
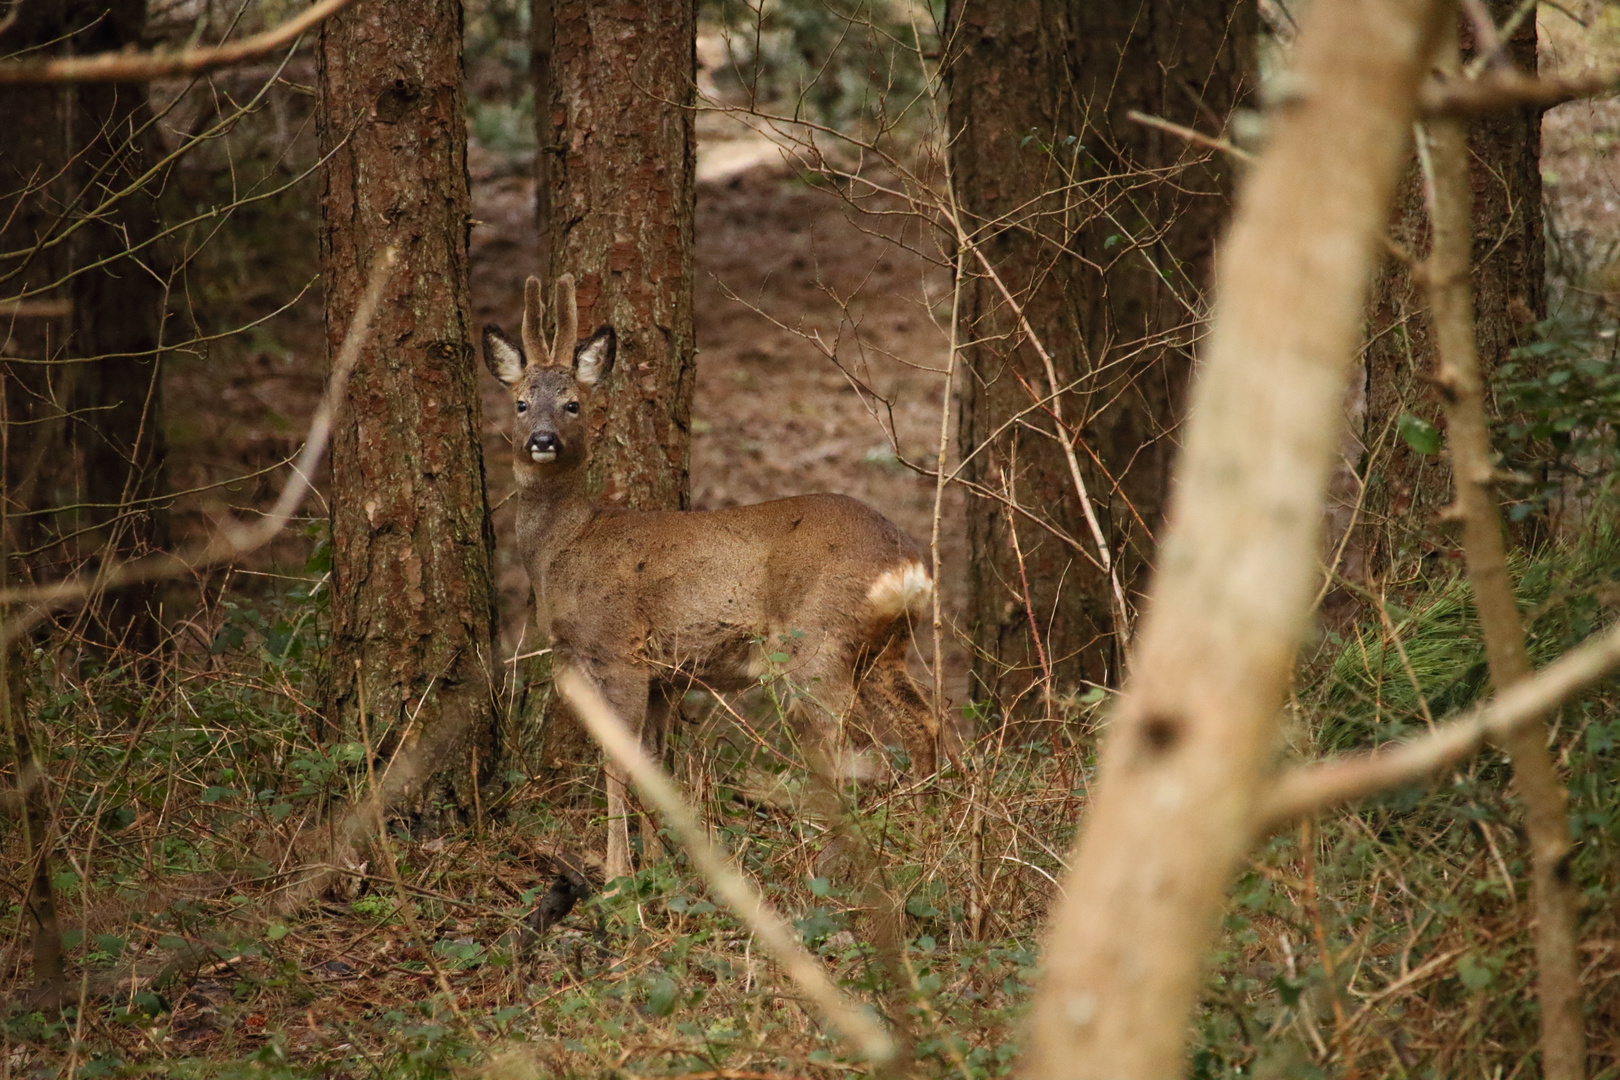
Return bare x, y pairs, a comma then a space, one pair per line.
779, 939
1503, 90
1309, 789
1194, 729
232, 539
144, 67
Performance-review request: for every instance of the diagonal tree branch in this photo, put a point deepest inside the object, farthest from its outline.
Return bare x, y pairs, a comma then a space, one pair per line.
144, 67
233, 538
1309, 789
778, 938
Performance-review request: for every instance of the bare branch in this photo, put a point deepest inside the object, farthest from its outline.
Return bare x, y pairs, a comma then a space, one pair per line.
1448, 277
144, 67
1189, 740
778, 938
1309, 789
1503, 90
1191, 135
233, 539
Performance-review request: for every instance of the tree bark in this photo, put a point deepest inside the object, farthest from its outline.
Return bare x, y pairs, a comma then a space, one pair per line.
89, 442
616, 197
1183, 767
1102, 230
1405, 490
413, 600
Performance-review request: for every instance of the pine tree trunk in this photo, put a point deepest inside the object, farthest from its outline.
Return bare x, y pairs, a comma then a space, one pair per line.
88, 433
1406, 491
617, 198
1109, 263
413, 599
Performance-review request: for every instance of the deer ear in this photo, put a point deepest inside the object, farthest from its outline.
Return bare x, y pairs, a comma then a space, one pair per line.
593, 358
503, 358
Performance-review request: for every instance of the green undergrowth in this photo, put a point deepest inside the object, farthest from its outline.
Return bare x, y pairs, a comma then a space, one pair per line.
1394, 937
1397, 935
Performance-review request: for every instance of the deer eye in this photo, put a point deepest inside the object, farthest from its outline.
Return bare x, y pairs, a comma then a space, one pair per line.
572, 408
522, 406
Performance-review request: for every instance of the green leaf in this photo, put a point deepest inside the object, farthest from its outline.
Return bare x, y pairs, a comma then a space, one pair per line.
320, 559
1288, 991
662, 996
230, 636
819, 886
276, 931
919, 908
1478, 972
1419, 434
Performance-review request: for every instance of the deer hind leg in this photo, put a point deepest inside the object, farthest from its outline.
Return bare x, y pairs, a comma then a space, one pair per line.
822, 700
663, 710
889, 700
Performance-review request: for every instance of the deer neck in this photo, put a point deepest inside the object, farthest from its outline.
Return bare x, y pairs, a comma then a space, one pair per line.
552, 509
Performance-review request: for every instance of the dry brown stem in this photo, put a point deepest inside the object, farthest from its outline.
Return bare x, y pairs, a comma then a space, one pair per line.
144, 67
1196, 723
1310, 789
1563, 1044
779, 939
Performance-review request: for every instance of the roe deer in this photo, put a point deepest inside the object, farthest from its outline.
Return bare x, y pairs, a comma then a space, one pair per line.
650, 603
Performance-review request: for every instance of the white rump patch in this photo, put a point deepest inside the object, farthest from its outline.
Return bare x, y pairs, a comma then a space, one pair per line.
904, 590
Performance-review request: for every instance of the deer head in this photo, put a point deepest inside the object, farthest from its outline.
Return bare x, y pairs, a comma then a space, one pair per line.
550, 379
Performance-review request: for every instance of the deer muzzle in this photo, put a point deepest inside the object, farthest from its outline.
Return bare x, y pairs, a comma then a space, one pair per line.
543, 447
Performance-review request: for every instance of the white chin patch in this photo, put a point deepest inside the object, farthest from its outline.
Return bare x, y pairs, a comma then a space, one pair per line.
543, 456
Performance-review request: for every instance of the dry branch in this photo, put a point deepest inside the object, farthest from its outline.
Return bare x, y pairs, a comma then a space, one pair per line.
1503, 90
779, 939
1310, 789
232, 538
144, 67
1462, 390
1196, 723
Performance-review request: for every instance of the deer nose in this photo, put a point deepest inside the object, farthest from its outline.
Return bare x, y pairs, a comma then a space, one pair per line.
543, 446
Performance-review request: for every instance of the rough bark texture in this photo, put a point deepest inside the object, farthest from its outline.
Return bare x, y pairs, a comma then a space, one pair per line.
622, 200
1405, 490
1196, 726
617, 202
87, 454
413, 601
1110, 269
1556, 895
